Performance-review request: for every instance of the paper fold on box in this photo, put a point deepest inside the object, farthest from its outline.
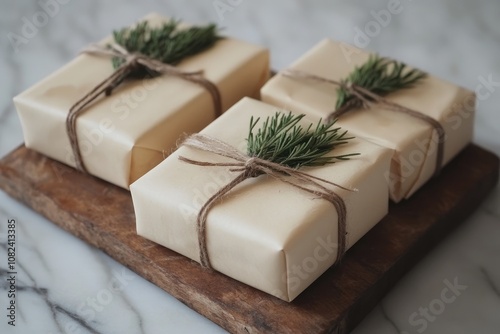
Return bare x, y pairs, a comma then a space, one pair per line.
124, 135
264, 233
414, 143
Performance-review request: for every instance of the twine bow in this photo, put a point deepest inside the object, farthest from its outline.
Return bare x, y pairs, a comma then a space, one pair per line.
250, 167
366, 97
131, 62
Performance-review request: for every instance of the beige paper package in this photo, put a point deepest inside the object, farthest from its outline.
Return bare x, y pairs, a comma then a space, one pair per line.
124, 135
413, 141
264, 233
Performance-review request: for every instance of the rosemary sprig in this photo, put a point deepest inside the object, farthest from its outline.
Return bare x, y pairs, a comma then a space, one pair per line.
380, 76
166, 43
282, 140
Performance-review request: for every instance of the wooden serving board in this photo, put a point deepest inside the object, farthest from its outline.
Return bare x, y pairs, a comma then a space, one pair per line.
102, 215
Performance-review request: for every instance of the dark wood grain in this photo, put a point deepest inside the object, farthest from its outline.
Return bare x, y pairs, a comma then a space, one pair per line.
102, 215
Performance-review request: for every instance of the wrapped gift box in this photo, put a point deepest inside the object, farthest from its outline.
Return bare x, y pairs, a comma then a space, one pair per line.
413, 141
124, 135
264, 233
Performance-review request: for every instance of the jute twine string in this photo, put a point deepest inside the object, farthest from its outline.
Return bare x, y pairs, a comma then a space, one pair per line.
131, 62
365, 97
249, 167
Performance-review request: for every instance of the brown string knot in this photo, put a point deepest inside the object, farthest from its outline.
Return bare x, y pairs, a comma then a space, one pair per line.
252, 167
249, 167
131, 62
365, 98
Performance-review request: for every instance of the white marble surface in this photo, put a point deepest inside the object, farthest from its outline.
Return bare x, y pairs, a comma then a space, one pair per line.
66, 286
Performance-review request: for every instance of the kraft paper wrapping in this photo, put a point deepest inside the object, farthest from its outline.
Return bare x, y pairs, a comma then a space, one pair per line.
413, 142
264, 233
124, 135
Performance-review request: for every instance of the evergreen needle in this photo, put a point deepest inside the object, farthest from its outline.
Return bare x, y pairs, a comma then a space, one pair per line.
167, 43
380, 76
282, 140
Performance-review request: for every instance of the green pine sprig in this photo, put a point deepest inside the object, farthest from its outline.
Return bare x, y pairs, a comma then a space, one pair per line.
380, 76
282, 140
167, 43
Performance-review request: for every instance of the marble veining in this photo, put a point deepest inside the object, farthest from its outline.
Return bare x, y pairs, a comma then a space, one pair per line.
66, 286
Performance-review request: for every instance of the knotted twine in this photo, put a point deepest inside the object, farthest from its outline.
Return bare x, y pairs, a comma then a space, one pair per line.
132, 60
250, 167
365, 97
